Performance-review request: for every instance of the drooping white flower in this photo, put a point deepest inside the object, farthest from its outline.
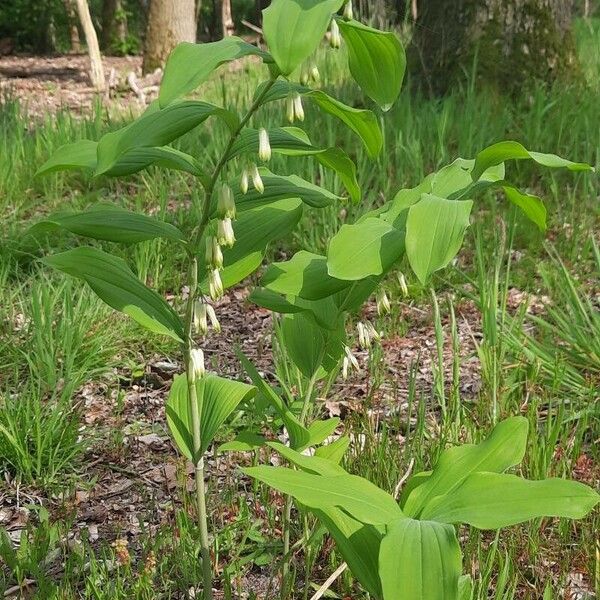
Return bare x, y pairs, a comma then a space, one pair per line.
264, 146
213, 255
212, 315
402, 282
352, 361
314, 73
335, 39
364, 339
348, 11
226, 203
225, 235
345, 365
371, 331
215, 285
244, 181
383, 303
289, 108
197, 360
304, 75
257, 181
200, 321
298, 108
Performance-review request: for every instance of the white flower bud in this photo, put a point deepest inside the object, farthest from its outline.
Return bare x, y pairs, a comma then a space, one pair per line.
364, 339
225, 235
345, 365
304, 75
371, 331
200, 322
213, 255
352, 362
264, 146
226, 203
244, 181
215, 285
257, 181
335, 39
197, 360
314, 73
212, 315
298, 108
348, 12
383, 303
402, 282
289, 108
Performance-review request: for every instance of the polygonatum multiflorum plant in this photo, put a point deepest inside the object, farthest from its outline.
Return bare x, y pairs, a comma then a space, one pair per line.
245, 207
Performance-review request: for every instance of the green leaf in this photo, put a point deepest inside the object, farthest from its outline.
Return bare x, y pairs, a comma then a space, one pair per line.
465, 588
334, 451
245, 441
217, 399
363, 122
357, 496
113, 281
504, 448
493, 500
304, 275
111, 223
293, 29
420, 560
376, 60
166, 157
358, 544
299, 435
77, 155
189, 65
367, 248
321, 430
254, 230
293, 141
509, 150
435, 228
278, 187
309, 464
156, 127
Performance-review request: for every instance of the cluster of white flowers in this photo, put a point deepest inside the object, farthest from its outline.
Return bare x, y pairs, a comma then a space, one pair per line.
197, 359
348, 11
366, 334
295, 110
335, 37
203, 315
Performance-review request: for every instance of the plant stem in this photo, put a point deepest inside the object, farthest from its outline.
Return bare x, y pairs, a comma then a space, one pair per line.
189, 345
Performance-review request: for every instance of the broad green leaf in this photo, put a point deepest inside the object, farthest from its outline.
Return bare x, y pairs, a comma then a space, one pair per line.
293, 141
273, 301
189, 65
245, 441
363, 122
77, 155
113, 281
111, 223
367, 248
419, 560
357, 496
376, 60
217, 399
254, 230
309, 464
494, 500
413, 482
278, 187
509, 150
304, 275
465, 588
435, 228
358, 544
321, 430
504, 448
294, 29
166, 157
299, 435
334, 451
156, 127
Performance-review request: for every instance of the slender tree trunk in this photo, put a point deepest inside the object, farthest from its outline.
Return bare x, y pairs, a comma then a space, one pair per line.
114, 24
227, 18
96, 68
510, 42
170, 22
73, 29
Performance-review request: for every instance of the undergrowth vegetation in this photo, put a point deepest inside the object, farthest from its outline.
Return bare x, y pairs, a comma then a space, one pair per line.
401, 484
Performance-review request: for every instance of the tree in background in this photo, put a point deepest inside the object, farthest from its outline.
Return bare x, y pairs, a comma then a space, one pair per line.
510, 42
227, 18
91, 39
114, 26
169, 23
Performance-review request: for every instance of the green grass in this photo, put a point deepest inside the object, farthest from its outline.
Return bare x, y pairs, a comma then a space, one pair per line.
55, 336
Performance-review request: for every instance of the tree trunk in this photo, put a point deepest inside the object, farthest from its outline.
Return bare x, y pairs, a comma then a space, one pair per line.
227, 18
170, 22
91, 39
73, 29
114, 25
509, 43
